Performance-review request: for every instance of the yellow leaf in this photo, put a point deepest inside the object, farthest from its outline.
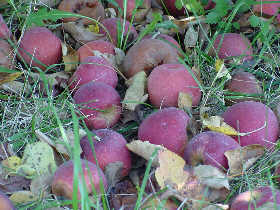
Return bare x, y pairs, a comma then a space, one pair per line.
94, 28
136, 93
6, 77
216, 123
12, 162
23, 196
184, 100
171, 169
219, 65
38, 158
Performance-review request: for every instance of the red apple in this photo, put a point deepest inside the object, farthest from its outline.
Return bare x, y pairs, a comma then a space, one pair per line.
109, 148
256, 198
208, 148
62, 184
255, 118
166, 127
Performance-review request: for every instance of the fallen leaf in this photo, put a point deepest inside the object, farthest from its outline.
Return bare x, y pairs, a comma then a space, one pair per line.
38, 159
184, 101
80, 33
194, 186
5, 150
216, 123
13, 183
136, 92
145, 149
242, 158
12, 163
61, 146
21, 197
183, 23
211, 177
16, 87
191, 37
171, 169
8, 77
113, 172
70, 57
222, 70
119, 57
216, 207
40, 185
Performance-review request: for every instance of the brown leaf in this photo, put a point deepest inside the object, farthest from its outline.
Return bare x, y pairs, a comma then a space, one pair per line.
70, 57
242, 158
191, 37
7, 77
136, 93
16, 87
216, 207
41, 185
145, 149
113, 172
80, 33
13, 183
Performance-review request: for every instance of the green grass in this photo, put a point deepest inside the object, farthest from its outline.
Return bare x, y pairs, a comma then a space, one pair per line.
23, 113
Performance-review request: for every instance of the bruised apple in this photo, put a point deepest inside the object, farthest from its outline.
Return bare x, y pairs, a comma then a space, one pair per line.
89, 8
115, 26
166, 82
99, 103
110, 147
95, 69
5, 33
208, 148
145, 56
256, 198
166, 127
62, 184
96, 45
39, 45
244, 83
256, 119
233, 45
140, 12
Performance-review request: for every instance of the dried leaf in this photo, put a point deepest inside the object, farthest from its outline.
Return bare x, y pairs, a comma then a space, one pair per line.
70, 57
216, 123
12, 162
119, 56
41, 185
182, 24
12, 183
38, 159
216, 207
113, 172
22, 197
222, 70
145, 149
80, 33
184, 101
16, 87
191, 37
190, 185
136, 93
171, 170
242, 158
211, 177
7, 77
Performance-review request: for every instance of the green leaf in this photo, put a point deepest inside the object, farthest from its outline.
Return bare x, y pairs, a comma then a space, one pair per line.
236, 25
44, 14
220, 10
150, 27
254, 21
179, 4
167, 24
